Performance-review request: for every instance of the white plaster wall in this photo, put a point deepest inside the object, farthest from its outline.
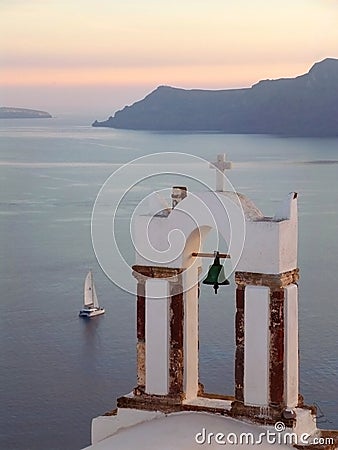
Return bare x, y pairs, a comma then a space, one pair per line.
260, 252
288, 245
287, 208
256, 244
163, 240
256, 345
291, 345
105, 426
191, 333
150, 235
177, 431
156, 336
270, 247
230, 222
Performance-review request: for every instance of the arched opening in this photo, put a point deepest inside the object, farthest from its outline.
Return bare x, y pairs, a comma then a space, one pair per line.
216, 326
213, 316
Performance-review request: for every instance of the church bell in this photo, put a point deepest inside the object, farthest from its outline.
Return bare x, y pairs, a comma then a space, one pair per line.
216, 275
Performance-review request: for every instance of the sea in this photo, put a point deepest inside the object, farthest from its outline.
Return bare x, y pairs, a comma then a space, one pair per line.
58, 371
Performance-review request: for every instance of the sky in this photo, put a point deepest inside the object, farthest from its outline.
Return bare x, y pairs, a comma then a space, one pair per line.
77, 56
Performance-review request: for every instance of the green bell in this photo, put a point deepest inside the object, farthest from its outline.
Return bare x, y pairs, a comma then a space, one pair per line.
216, 275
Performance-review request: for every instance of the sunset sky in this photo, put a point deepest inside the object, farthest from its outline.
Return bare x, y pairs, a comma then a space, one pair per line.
69, 56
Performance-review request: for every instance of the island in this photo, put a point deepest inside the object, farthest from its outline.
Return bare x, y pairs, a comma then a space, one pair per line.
306, 105
7, 112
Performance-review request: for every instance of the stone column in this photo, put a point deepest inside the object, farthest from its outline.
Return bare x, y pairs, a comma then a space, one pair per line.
239, 341
140, 332
157, 337
266, 366
176, 363
160, 325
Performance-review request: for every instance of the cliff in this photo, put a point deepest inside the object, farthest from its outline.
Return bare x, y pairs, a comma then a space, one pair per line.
303, 106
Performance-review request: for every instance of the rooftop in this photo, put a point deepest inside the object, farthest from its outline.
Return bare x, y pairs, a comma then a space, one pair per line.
189, 430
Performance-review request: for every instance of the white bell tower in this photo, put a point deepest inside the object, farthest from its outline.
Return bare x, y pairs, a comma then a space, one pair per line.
263, 251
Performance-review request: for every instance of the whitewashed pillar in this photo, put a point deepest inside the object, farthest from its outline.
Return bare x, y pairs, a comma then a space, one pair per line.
160, 333
191, 340
266, 367
256, 347
156, 336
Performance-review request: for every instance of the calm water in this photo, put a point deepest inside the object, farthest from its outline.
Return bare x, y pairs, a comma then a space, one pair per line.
57, 371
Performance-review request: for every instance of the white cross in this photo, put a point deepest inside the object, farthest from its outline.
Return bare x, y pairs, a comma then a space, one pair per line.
220, 165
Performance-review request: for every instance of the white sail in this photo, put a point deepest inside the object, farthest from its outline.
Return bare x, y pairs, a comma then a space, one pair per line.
88, 290
96, 303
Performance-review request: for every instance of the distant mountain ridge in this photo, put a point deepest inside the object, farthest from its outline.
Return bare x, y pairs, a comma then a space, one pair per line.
303, 106
7, 112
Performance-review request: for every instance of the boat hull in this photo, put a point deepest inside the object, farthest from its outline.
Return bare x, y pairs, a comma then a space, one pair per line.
92, 312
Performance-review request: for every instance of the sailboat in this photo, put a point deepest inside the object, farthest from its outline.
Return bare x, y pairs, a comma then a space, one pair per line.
91, 306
